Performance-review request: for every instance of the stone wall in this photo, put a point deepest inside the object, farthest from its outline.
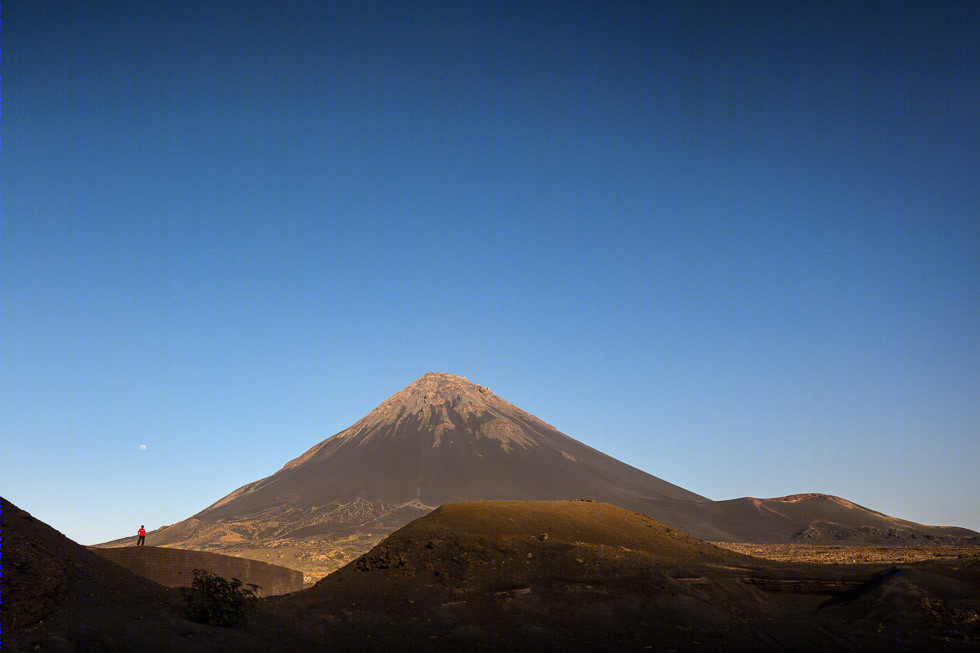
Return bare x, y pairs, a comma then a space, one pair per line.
175, 567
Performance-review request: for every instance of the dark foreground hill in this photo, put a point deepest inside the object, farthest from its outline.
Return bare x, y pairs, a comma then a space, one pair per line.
59, 596
505, 576
577, 575
45, 573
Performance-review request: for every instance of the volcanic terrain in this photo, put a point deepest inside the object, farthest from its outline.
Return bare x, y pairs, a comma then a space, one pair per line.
440, 439
581, 575
59, 596
444, 439
503, 576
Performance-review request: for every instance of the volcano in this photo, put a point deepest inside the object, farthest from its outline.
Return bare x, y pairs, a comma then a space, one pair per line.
444, 439
440, 439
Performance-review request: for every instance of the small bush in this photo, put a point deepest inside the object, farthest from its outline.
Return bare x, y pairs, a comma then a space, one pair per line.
213, 600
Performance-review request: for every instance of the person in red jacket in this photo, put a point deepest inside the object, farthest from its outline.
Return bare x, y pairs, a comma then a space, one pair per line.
142, 536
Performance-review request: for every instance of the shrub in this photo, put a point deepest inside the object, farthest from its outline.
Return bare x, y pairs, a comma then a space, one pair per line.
213, 600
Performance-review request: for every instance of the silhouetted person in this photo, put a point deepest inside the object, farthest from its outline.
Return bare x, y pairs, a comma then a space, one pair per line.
142, 536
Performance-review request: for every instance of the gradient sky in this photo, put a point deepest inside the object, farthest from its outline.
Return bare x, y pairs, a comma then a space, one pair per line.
737, 249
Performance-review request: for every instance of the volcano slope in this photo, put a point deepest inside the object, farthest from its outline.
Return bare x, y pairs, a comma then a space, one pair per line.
580, 575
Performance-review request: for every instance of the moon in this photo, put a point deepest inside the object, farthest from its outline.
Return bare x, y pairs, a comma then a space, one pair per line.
143, 447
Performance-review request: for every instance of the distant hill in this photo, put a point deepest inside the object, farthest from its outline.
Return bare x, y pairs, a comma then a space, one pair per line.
799, 518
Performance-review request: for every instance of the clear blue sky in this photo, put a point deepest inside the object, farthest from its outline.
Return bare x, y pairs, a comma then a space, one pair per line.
737, 249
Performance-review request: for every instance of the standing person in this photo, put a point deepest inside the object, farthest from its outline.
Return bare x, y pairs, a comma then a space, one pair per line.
142, 536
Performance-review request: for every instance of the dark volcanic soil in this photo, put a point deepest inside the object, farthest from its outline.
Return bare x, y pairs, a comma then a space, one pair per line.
59, 596
576, 575
502, 576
